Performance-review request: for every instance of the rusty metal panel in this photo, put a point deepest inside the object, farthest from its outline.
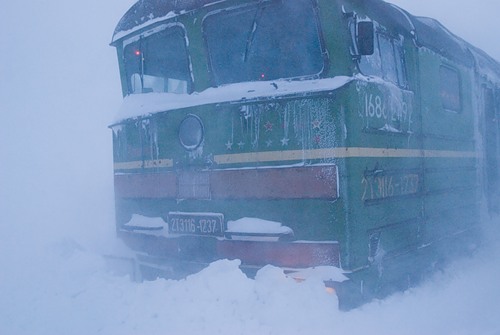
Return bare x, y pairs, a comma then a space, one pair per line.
283, 254
281, 183
152, 185
313, 182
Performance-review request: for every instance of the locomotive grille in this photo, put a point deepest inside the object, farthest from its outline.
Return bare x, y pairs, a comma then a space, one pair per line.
193, 185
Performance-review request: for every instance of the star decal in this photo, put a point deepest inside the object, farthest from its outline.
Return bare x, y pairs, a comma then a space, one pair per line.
317, 139
241, 144
268, 126
316, 124
229, 145
269, 143
284, 141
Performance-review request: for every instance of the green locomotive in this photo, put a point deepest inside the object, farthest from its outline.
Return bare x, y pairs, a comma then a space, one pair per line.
301, 133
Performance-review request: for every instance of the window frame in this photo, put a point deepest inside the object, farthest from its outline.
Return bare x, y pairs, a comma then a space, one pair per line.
323, 54
443, 102
398, 57
162, 28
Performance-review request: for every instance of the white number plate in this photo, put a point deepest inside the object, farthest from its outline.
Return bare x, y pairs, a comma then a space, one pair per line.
196, 223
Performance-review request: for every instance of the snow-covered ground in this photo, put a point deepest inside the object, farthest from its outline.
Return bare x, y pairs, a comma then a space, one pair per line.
57, 282
59, 89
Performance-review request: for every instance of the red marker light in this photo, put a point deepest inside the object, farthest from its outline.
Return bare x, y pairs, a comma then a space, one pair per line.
137, 52
262, 76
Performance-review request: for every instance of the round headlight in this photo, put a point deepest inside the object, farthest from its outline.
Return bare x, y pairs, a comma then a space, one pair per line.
191, 132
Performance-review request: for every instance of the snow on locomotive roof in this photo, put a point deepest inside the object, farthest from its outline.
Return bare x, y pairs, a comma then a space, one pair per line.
426, 32
431, 34
146, 12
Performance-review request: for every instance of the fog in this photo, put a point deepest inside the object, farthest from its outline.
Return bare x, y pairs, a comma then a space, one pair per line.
59, 89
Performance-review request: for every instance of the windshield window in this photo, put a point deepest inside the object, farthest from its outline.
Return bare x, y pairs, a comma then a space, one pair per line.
270, 40
158, 63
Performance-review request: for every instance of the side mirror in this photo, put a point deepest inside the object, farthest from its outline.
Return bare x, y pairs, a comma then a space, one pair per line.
365, 38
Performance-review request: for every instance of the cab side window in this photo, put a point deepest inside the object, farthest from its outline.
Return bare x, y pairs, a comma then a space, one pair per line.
449, 88
387, 60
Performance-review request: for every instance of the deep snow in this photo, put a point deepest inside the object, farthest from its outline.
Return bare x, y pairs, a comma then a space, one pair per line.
59, 89
62, 285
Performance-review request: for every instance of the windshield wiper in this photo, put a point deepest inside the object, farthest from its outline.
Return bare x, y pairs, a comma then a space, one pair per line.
251, 35
142, 63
